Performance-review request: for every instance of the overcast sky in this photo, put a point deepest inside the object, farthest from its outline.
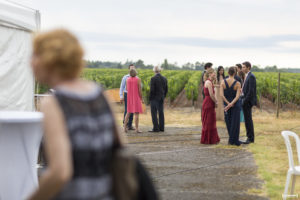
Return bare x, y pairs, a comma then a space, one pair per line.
225, 32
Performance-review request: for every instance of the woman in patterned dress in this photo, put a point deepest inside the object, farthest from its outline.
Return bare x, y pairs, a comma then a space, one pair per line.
80, 129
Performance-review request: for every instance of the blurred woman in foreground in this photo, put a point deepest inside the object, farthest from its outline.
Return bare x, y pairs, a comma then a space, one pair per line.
80, 129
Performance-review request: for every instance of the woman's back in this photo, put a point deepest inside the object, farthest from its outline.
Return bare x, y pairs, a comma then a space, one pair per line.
90, 125
134, 104
230, 89
132, 86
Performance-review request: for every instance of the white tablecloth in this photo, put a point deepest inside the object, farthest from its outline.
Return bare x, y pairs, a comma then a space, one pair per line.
20, 137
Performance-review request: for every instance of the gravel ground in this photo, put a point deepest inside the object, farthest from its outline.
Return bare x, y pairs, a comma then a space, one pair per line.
182, 168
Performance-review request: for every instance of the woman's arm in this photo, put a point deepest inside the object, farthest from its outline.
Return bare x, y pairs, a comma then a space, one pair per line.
58, 152
210, 90
140, 89
238, 93
222, 92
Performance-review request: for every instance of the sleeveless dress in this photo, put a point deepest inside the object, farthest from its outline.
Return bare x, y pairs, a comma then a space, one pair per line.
232, 116
90, 126
209, 128
134, 102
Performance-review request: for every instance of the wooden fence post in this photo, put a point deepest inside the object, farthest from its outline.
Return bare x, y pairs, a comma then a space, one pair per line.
278, 95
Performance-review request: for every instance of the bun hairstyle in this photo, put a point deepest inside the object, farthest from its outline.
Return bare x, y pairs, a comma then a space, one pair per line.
132, 73
208, 73
232, 71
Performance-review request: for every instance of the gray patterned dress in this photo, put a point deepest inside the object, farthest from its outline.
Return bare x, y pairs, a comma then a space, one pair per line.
90, 125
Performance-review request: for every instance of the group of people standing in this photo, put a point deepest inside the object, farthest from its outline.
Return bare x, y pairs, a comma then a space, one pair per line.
131, 95
238, 92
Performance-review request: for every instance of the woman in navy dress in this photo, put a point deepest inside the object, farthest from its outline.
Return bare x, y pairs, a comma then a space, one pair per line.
230, 92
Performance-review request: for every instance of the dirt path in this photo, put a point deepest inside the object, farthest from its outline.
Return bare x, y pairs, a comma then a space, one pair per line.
184, 169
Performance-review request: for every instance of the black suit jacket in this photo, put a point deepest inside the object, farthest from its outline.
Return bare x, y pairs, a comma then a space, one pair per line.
249, 90
158, 87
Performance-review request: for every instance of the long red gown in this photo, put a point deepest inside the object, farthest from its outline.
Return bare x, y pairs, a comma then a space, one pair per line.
209, 127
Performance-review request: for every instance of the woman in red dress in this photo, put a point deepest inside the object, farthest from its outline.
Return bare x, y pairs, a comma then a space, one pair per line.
134, 99
209, 128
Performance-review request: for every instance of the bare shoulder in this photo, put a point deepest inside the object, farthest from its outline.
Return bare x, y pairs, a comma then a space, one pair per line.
49, 105
208, 82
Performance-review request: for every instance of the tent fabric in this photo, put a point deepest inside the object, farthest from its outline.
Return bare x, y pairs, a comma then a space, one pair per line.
16, 78
17, 16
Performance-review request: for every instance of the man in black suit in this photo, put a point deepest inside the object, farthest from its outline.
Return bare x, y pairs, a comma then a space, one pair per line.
158, 92
249, 100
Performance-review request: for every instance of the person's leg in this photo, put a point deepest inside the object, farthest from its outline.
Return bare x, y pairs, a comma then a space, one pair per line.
137, 118
125, 106
161, 115
230, 125
227, 121
153, 104
235, 124
129, 124
248, 122
126, 121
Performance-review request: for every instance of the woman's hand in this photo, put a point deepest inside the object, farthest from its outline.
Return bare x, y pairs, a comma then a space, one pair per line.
230, 105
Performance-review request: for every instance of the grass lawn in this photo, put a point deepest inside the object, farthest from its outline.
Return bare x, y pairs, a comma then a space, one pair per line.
270, 152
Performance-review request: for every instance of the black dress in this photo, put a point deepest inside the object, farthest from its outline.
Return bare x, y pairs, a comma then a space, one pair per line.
232, 116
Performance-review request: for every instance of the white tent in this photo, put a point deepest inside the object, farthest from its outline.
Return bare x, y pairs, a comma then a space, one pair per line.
17, 23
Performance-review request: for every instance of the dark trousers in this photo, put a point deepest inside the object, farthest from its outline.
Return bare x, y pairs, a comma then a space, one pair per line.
129, 124
232, 119
157, 106
248, 121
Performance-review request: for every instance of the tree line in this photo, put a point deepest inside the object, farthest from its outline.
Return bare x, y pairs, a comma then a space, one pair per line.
174, 66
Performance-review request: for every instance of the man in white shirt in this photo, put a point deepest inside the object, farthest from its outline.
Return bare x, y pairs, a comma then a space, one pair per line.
123, 98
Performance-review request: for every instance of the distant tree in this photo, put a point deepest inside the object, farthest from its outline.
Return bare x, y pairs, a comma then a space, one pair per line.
165, 65
199, 66
271, 68
119, 66
140, 64
188, 66
256, 68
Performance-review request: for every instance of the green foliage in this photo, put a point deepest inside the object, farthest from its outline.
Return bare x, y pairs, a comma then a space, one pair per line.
191, 88
177, 82
190, 80
289, 86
